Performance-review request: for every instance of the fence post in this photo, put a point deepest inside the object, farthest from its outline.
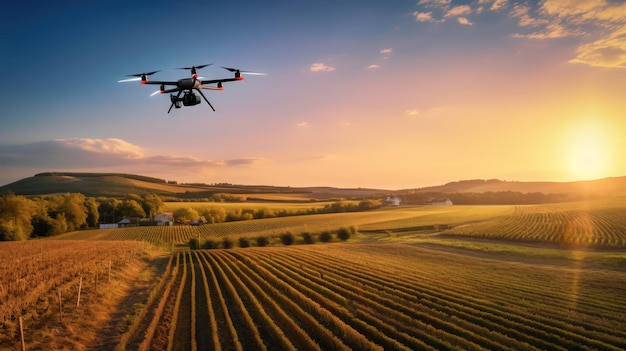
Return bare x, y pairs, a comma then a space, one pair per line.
80, 286
22, 334
60, 304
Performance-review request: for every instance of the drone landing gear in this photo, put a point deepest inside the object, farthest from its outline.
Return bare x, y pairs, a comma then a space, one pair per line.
188, 99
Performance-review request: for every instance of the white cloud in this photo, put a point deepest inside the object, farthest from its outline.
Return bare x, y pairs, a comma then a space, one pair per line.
460, 10
412, 112
373, 66
105, 146
598, 25
499, 4
86, 153
464, 21
387, 51
434, 3
321, 67
424, 16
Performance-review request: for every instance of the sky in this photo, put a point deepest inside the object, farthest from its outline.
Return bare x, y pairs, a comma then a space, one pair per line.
376, 94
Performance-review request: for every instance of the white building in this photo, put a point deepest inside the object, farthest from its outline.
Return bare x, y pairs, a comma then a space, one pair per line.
165, 218
392, 200
441, 202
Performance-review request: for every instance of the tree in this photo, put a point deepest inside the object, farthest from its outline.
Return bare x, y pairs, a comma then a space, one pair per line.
244, 242
261, 241
343, 234
213, 214
74, 210
107, 209
227, 243
185, 214
193, 244
308, 238
152, 204
130, 209
210, 244
287, 238
16, 213
93, 216
325, 236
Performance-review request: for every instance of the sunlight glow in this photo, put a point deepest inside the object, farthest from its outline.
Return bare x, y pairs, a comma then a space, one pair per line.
588, 151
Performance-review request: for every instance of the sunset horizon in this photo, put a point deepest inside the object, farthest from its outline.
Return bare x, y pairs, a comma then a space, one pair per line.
357, 94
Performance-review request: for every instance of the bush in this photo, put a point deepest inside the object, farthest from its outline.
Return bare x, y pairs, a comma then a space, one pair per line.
209, 244
193, 244
308, 238
287, 238
244, 242
262, 241
343, 234
325, 236
227, 243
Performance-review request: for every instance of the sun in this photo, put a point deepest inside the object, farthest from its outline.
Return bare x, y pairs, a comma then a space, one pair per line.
588, 152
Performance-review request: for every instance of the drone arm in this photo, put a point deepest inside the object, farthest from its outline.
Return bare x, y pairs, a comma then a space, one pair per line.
158, 82
219, 87
213, 81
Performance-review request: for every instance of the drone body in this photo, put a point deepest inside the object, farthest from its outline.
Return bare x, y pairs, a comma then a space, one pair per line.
186, 86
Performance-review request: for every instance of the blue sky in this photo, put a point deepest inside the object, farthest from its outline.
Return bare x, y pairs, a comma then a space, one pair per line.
357, 94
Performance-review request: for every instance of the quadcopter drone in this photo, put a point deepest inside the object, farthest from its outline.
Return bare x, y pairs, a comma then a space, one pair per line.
186, 86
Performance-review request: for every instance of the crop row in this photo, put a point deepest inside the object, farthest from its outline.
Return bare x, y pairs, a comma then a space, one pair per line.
590, 227
396, 297
35, 274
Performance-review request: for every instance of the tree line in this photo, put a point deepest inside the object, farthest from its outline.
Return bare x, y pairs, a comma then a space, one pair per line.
486, 198
24, 217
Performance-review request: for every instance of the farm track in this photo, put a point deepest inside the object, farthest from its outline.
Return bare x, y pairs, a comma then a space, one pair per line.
383, 296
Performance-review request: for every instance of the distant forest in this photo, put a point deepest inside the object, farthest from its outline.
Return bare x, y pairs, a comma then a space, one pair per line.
487, 198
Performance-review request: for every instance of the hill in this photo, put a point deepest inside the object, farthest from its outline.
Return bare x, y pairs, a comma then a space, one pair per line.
614, 186
120, 185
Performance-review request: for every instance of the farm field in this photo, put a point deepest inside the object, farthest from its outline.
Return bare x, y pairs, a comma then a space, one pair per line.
412, 278
600, 224
67, 292
380, 296
597, 224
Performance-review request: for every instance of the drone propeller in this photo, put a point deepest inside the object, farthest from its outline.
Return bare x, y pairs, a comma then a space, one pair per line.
194, 69
238, 71
138, 76
197, 67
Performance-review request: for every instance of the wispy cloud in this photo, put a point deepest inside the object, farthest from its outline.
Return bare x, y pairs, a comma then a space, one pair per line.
599, 25
424, 17
85, 153
373, 66
321, 67
303, 124
412, 112
460, 10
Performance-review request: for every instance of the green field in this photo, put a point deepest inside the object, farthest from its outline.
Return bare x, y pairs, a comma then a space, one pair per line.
411, 278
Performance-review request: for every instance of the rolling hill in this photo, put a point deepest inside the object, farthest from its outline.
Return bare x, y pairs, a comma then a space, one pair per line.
120, 185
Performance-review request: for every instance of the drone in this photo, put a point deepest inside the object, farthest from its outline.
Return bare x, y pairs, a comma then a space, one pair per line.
186, 86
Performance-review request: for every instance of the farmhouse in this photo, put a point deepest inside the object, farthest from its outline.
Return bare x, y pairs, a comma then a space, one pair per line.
438, 202
165, 218
392, 200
